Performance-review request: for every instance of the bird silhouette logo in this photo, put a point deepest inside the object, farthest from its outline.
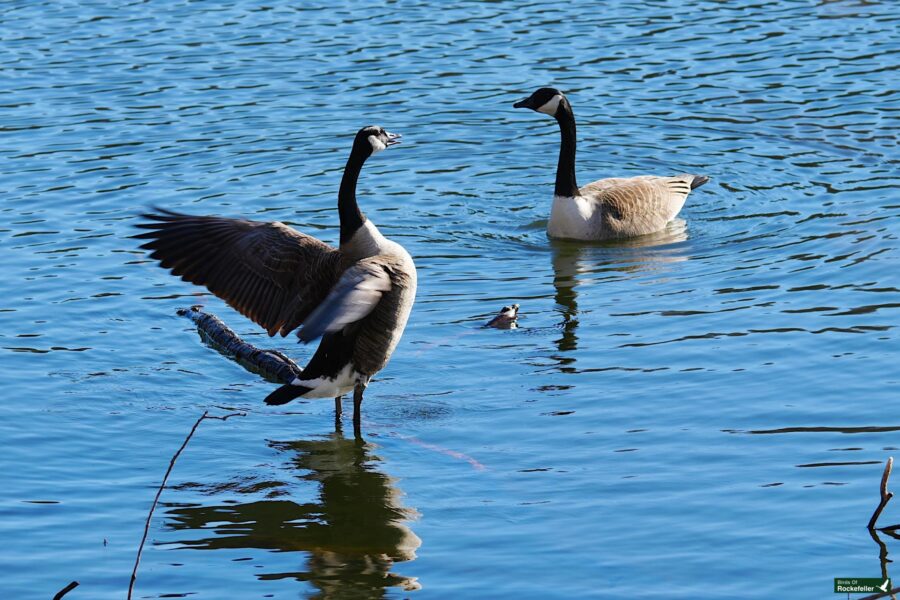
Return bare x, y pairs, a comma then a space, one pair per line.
886, 585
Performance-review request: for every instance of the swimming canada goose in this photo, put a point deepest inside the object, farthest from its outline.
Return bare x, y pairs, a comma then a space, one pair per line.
607, 208
357, 297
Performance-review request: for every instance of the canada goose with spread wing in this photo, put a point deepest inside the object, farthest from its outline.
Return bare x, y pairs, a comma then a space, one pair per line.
356, 297
607, 208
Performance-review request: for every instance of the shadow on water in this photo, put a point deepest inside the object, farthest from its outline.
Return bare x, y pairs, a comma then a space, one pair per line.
352, 534
577, 263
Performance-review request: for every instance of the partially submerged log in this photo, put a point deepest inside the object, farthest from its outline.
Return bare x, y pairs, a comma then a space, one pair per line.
270, 364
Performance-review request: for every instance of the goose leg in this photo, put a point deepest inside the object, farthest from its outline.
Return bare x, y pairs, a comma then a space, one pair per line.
357, 402
338, 411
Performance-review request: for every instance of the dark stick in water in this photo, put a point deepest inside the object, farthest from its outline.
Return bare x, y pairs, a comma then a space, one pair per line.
137, 560
65, 590
885, 494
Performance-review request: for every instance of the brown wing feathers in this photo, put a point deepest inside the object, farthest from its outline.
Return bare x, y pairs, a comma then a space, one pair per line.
269, 272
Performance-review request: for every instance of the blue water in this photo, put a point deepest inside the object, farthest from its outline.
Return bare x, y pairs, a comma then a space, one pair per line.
655, 427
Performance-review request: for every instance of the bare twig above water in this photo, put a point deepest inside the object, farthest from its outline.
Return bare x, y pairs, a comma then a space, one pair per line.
137, 560
885, 494
65, 590
883, 551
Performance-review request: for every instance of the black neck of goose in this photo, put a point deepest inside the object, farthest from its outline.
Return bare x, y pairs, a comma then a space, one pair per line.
565, 170
348, 211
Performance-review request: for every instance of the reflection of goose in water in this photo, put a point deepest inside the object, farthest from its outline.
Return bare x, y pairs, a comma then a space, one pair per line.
352, 534
575, 263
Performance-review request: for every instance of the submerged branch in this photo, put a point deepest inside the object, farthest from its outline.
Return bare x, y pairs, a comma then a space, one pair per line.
270, 364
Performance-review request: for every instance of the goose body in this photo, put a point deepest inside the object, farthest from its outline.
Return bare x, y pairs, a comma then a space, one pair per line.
356, 297
608, 208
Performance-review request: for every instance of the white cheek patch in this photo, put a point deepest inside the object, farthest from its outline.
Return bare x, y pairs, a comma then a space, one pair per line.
377, 145
550, 106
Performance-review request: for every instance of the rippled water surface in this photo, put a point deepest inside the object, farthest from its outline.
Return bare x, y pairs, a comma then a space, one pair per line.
701, 413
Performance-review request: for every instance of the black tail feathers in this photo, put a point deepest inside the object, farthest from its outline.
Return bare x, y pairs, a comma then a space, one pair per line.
285, 394
698, 181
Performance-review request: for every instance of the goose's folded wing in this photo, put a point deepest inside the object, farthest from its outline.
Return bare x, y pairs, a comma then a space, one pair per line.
642, 197
354, 296
598, 186
269, 272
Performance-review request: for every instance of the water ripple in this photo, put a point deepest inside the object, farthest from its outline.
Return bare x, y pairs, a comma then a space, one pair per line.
768, 307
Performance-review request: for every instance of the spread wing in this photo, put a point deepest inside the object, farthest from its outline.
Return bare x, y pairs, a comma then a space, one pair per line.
270, 273
356, 294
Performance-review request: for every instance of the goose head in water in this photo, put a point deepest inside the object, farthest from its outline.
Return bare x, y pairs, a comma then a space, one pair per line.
506, 318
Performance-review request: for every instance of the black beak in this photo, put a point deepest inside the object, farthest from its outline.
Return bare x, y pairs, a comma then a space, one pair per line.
522, 103
392, 138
